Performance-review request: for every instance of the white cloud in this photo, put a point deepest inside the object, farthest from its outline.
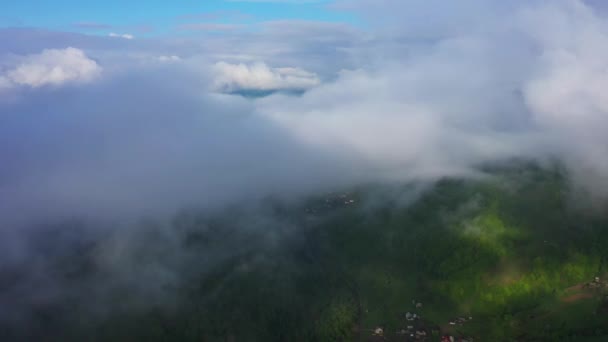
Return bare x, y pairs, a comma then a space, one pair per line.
259, 76
529, 84
391, 124
171, 58
121, 35
567, 94
212, 27
51, 67
282, 1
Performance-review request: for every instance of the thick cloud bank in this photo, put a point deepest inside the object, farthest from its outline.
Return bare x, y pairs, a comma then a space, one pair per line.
566, 94
413, 102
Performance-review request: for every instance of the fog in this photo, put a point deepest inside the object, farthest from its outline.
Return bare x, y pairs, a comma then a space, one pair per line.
112, 133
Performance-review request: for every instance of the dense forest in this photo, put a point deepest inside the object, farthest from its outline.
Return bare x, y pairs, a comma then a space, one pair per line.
511, 256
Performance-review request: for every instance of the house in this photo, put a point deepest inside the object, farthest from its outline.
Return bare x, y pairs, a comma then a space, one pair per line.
460, 321
421, 333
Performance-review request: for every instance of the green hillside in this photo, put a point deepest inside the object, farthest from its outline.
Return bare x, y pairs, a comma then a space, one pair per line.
512, 257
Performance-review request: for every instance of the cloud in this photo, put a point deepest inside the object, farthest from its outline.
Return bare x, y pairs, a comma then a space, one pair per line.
236, 77
51, 67
121, 35
216, 15
566, 92
171, 58
404, 109
107, 159
211, 27
283, 1
89, 25
391, 106
392, 127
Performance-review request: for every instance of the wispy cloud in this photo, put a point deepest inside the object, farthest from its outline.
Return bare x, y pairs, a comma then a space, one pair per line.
216, 15
121, 35
89, 25
284, 1
210, 27
171, 58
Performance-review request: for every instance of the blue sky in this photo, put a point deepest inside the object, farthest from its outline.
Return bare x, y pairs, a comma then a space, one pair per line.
158, 16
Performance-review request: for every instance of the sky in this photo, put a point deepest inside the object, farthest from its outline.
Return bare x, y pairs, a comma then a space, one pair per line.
155, 17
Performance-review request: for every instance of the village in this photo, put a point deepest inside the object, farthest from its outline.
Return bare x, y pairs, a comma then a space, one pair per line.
596, 284
417, 329
330, 202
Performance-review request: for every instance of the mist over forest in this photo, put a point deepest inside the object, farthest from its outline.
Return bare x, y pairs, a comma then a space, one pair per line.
361, 171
